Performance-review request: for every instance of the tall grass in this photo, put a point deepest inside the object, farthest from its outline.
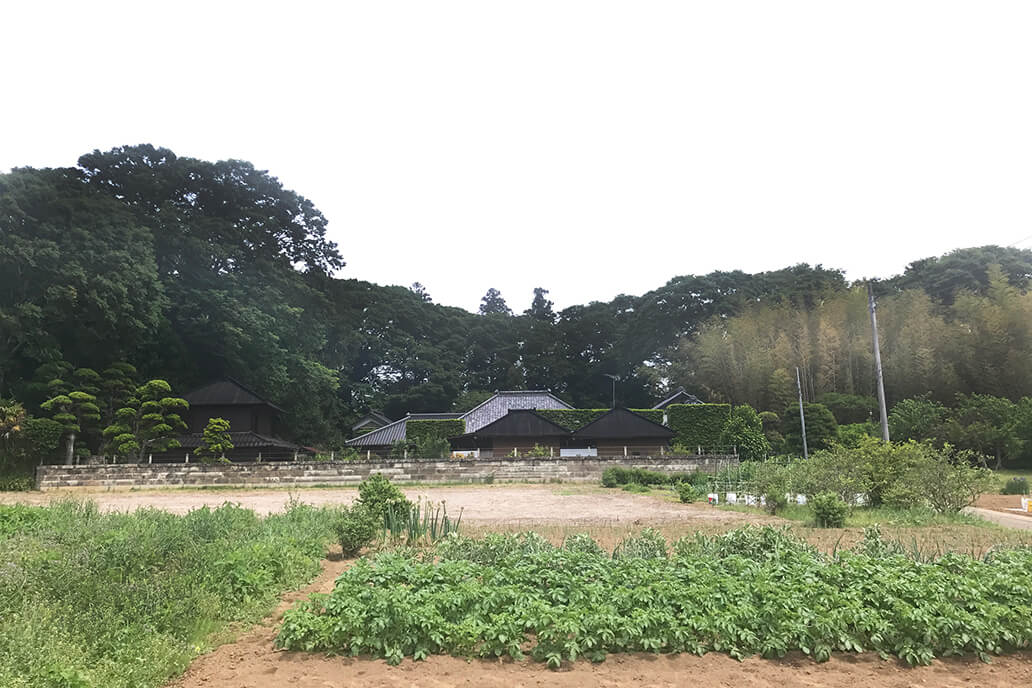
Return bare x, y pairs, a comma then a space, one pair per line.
420, 522
127, 600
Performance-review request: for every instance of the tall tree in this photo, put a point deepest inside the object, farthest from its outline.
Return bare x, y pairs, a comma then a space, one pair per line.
494, 304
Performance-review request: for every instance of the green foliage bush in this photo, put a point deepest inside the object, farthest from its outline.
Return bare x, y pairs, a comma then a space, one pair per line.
852, 434
614, 476
379, 495
687, 493
636, 487
13, 482
829, 510
1016, 486
821, 428
754, 591
850, 409
356, 527
698, 425
126, 600
744, 432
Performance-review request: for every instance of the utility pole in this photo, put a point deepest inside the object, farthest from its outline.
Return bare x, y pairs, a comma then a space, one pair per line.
802, 414
877, 366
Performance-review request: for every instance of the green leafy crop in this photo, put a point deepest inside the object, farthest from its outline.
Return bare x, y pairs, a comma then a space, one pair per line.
756, 591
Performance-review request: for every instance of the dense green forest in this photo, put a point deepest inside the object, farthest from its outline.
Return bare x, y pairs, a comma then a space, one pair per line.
192, 270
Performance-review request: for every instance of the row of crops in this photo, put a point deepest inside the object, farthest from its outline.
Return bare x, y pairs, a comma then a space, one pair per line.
754, 591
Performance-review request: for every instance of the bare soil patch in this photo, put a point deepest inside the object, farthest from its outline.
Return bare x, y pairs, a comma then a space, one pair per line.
1002, 503
524, 505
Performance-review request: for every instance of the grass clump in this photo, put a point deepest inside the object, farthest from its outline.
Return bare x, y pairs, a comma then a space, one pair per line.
127, 600
829, 510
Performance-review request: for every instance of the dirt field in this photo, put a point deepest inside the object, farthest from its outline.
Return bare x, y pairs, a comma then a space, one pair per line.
509, 504
253, 662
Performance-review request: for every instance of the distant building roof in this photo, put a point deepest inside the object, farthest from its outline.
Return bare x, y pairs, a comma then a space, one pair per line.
372, 421
240, 440
392, 432
520, 423
479, 416
502, 402
226, 392
678, 397
622, 424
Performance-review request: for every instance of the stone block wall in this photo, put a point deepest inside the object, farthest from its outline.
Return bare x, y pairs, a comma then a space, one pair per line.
302, 473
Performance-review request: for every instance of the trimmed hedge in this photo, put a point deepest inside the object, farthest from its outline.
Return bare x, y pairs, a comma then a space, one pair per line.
420, 431
575, 419
572, 419
655, 415
698, 425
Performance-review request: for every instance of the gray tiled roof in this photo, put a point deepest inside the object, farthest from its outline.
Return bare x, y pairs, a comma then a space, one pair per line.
389, 434
240, 440
503, 402
487, 412
679, 397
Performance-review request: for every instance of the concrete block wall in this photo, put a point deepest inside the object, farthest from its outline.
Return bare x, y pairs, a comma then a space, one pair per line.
302, 473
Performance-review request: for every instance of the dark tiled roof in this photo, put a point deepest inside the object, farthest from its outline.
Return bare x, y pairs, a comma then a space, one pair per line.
503, 402
389, 434
240, 440
520, 423
678, 397
226, 392
622, 424
374, 418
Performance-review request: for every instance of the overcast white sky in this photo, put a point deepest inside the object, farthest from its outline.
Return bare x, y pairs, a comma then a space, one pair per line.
593, 148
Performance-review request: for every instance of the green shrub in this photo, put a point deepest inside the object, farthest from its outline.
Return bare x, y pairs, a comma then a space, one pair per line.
379, 495
698, 425
821, 428
829, 510
610, 477
852, 434
1016, 486
17, 483
637, 488
615, 476
744, 431
687, 493
356, 527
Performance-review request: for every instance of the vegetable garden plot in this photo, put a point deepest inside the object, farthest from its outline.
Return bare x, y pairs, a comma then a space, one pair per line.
752, 591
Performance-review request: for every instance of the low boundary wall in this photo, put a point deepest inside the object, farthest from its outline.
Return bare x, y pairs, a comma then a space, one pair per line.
301, 473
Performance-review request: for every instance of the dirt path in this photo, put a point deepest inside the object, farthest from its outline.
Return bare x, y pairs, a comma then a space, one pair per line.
1011, 520
253, 662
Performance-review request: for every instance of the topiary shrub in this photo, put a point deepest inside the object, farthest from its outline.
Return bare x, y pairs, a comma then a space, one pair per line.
829, 510
687, 493
355, 528
379, 495
1016, 486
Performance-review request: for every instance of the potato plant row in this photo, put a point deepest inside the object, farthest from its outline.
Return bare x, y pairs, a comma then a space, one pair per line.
756, 591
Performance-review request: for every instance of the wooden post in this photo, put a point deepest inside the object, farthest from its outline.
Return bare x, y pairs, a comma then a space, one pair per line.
332, 454
150, 458
625, 450
551, 452
187, 457
295, 455
368, 454
698, 449
259, 457
404, 454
